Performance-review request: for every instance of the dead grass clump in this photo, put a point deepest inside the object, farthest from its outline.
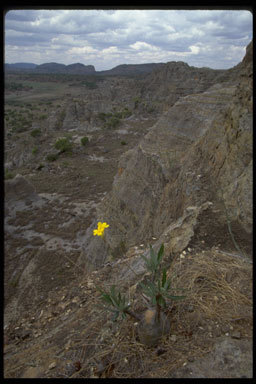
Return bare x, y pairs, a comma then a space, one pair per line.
215, 285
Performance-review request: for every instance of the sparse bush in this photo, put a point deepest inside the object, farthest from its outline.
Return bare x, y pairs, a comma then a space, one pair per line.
113, 122
60, 119
40, 166
84, 140
8, 175
35, 132
125, 113
90, 84
35, 151
123, 142
103, 116
63, 145
52, 157
42, 117
136, 100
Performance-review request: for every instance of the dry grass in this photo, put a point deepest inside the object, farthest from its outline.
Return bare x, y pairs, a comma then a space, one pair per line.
218, 291
216, 284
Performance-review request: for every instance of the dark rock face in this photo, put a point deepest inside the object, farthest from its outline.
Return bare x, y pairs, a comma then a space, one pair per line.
200, 150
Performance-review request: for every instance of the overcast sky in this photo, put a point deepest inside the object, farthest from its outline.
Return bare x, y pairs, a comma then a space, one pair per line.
107, 38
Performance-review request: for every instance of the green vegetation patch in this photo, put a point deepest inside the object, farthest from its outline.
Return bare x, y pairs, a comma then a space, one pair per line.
63, 145
84, 140
52, 157
8, 175
113, 119
36, 132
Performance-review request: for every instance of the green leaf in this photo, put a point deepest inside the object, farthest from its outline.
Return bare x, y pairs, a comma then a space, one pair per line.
148, 289
160, 254
106, 298
167, 284
114, 318
161, 301
153, 258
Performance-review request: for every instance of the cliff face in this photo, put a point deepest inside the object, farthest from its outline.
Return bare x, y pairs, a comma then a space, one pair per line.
200, 150
177, 79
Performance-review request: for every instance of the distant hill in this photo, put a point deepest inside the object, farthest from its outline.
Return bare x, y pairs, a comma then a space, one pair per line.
20, 66
74, 69
132, 69
81, 69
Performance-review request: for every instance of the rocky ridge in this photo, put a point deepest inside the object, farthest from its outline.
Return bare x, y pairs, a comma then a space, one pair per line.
199, 150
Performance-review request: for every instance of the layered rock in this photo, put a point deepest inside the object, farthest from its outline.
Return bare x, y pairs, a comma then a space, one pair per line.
200, 150
165, 86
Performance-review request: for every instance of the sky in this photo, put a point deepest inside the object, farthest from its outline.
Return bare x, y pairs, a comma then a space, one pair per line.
106, 38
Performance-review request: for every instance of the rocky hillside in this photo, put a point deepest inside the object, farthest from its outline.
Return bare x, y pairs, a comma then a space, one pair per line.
165, 85
131, 69
199, 150
167, 160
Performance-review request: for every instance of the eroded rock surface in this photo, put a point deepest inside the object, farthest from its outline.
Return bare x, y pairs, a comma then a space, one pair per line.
199, 150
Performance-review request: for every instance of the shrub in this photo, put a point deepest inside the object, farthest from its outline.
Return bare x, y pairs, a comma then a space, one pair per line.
84, 140
42, 117
36, 132
113, 122
8, 175
63, 145
40, 166
123, 142
136, 100
103, 116
52, 157
34, 151
126, 113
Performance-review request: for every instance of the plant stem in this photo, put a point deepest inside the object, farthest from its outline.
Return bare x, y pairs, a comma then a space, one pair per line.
132, 314
158, 308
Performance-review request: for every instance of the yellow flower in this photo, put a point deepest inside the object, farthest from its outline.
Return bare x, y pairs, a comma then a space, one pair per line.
100, 230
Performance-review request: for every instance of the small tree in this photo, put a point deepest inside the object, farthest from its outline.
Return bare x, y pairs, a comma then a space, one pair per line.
63, 145
84, 140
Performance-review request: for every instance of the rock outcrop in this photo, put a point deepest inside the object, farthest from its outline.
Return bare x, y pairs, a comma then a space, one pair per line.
200, 150
174, 80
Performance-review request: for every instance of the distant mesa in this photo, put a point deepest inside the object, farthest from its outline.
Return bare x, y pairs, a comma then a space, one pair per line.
75, 69
81, 69
20, 66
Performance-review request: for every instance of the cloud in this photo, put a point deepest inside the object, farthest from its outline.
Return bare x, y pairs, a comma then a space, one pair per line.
106, 38
141, 45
